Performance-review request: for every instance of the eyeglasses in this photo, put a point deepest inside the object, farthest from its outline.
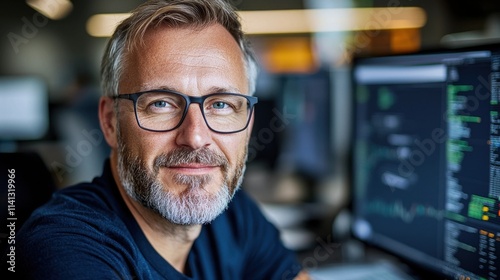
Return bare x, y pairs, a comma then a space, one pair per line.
164, 110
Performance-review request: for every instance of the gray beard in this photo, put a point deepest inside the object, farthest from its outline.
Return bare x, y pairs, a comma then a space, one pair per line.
194, 205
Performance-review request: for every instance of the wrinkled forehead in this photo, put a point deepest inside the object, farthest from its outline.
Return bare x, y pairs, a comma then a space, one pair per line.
184, 53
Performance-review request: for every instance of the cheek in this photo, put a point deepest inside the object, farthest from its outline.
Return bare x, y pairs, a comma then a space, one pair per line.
142, 143
234, 148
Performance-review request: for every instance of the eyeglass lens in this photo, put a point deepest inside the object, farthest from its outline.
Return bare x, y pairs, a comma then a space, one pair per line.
164, 111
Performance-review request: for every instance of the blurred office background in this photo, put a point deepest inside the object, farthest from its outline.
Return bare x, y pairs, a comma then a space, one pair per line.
298, 166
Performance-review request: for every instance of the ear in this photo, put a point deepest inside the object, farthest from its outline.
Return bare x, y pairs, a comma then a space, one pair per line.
107, 119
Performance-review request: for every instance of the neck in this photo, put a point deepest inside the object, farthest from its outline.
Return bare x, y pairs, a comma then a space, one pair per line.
173, 242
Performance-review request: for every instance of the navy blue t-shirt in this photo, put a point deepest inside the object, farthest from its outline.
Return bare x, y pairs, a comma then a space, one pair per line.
87, 232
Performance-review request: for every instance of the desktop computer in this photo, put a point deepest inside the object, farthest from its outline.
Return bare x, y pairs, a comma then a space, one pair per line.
426, 160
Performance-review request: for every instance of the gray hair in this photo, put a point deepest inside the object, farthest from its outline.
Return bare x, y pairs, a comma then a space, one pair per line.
174, 13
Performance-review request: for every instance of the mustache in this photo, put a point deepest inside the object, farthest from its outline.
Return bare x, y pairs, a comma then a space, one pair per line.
186, 155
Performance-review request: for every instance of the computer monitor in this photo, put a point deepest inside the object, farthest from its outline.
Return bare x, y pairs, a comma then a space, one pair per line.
24, 108
426, 159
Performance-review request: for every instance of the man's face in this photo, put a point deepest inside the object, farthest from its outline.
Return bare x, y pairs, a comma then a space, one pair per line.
187, 175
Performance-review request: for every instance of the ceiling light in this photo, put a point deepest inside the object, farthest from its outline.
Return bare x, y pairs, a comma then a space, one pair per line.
331, 20
103, 25
52, 9
299, 21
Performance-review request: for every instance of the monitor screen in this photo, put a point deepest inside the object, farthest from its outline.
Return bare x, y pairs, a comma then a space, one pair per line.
426, 158
24, 108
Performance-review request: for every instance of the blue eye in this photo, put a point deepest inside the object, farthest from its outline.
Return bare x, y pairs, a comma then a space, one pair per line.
219, 105
160, 104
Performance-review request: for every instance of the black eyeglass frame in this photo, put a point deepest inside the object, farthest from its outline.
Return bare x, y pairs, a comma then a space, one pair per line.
252, 100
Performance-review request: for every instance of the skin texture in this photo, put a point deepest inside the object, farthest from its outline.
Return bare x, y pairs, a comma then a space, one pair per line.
196, 63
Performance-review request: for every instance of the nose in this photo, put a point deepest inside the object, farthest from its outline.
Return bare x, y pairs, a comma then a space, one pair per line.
193, 132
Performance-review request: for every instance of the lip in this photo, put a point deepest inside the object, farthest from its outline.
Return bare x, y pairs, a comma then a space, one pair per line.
193, 169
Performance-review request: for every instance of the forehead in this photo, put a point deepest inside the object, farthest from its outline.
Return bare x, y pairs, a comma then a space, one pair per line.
183, 57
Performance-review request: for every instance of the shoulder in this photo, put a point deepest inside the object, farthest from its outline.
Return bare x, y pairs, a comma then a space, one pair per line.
79, 228
75, 212
246, 239
89, 208
85, 202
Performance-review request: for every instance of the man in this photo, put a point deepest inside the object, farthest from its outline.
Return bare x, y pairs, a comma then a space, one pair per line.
178, 80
